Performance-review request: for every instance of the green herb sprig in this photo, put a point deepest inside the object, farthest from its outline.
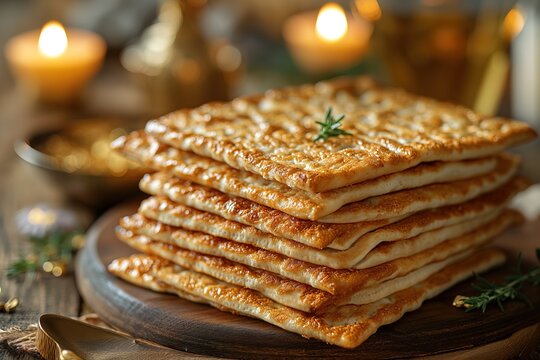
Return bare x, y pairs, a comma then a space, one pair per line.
24, 265
330, 127
56, 249
511, 289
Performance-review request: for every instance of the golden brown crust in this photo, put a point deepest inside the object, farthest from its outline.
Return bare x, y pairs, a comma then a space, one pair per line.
447, 215
425, 197
139, 269
241, 210
299, 203
426, 222
377, 292
347, 326
337, 282
272, 134
288, 292
316, 234
284, 291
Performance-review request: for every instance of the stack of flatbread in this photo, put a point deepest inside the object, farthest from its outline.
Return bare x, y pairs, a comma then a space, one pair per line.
332, 238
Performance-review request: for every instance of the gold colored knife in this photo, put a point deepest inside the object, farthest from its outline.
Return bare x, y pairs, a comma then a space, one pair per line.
62, 338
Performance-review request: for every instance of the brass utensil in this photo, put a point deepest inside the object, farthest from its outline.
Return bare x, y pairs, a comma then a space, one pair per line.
62, 338
75, 155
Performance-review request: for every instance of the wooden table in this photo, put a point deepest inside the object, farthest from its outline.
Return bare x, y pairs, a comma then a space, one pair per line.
20, 186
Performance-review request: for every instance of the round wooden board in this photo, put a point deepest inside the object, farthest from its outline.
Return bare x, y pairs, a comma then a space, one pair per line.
436, 328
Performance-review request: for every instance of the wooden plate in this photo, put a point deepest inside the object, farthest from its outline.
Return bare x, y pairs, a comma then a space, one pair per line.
436, 328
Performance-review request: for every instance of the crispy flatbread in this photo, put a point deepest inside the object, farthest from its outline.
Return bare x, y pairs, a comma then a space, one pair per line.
299, 203
364, 254
346, 326
164, 210
288, 292
139, 269
284, 291
314, 234
388, 251
366, 212
340, 282
377, 292
273, 134
272, 221
425, 197
430, 219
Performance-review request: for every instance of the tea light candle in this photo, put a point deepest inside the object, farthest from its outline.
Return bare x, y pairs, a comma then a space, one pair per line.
326, 41
54, 63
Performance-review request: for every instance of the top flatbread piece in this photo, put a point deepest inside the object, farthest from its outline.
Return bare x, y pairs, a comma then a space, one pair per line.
272, 134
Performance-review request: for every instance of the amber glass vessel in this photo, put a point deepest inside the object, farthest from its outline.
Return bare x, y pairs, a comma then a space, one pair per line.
455, 50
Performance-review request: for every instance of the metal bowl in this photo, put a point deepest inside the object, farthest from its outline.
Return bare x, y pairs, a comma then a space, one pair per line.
97, 191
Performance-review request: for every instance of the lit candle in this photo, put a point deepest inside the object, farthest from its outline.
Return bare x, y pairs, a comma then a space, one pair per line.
326, 41
53, 63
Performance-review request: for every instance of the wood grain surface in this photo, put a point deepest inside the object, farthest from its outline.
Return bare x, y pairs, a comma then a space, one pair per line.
436, 329
22, 185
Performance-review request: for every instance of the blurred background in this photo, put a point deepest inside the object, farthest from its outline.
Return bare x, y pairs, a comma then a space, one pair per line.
104, 67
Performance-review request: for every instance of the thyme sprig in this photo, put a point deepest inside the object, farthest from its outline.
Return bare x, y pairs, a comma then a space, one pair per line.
330, 127
511, 289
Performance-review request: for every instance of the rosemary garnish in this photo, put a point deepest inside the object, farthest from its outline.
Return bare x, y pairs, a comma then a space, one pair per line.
24, 265
498, 293
52, 253
330, 126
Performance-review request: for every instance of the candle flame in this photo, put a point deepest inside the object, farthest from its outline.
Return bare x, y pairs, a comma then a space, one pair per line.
331, 22
52, 39
513, 23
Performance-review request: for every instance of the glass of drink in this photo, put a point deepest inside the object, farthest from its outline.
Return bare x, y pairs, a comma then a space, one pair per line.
453, 50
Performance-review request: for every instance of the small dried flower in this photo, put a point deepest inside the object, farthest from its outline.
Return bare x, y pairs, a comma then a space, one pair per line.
42, 219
